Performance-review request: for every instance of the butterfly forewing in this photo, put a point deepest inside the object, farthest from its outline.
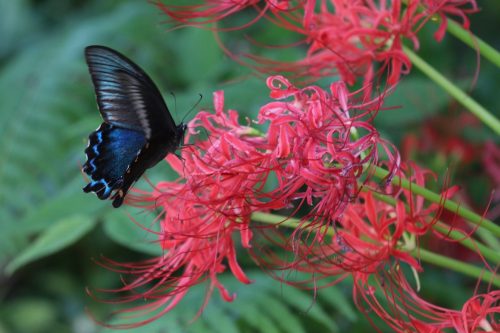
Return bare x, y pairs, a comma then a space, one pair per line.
126, 96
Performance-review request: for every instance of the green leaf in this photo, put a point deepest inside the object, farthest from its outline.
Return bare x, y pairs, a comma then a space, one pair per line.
306, 305
119, 227
41, 312
247, 96
338, 300
279, 313
16, 23
47, 98
257, 319
60, 235
265, 306
218, 320
414, 100
201, 56
68, 201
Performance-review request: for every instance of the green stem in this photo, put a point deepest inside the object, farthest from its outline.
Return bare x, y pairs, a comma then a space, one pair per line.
457, 235
437, 198
474, 42
468, 38
282, 221
457, 266
424, 255
468, 242
484, 115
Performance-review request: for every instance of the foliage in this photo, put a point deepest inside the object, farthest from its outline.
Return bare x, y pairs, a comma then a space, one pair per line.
50, 229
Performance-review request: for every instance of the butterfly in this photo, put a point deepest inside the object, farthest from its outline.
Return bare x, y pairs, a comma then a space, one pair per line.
138, 130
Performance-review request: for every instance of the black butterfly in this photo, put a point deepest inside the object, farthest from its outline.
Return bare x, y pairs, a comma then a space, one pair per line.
138, 130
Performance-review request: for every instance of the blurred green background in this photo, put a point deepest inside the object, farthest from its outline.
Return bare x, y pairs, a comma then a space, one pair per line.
50, 231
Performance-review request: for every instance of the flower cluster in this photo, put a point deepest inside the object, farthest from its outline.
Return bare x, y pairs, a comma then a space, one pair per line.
215, 10
348, 38
307, 150
311, 153
408, 312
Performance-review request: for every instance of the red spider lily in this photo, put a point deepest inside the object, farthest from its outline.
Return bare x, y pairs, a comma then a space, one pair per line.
207, 11
372, 242
479, 314
395, 301
344, 37
392, 298
307, 148
442, 135
380, 238
318, 167
416, 217
373, 233
349, 37
454, 8
201, 215
212, 11
311, 150
368, 236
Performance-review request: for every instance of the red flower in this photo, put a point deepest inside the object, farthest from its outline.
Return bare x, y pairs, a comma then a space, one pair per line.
370, 235
208, 11
372, 241
216, 10
349, 37
309, 150
202, 212
479, 314
318, 168
373, 233
444, 8
394, 300
344, 37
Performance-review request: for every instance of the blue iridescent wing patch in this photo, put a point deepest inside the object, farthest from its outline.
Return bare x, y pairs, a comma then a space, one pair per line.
138, 130
110, 153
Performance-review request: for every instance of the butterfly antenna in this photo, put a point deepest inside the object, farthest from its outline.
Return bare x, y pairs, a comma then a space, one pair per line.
194, 107
175, 102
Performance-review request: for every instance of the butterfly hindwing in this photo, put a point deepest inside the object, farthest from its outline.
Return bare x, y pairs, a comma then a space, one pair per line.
138, 130
110, 153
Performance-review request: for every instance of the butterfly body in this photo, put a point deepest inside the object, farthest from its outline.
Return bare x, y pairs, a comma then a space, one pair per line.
138, 130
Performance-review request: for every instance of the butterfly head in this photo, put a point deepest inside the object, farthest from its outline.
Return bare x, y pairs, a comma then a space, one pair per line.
181, 131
